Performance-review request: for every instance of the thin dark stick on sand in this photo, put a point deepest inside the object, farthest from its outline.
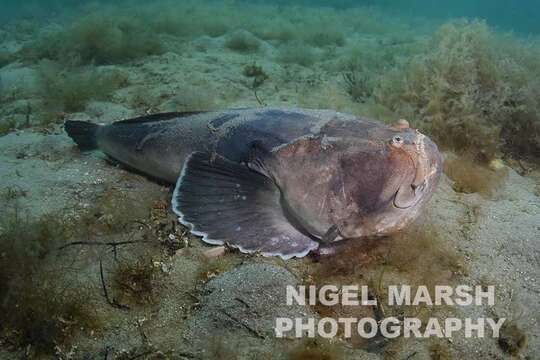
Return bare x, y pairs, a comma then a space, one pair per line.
110, 301
99, 243
261, 102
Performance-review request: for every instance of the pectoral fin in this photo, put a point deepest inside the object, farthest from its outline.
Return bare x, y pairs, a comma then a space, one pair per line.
227, 203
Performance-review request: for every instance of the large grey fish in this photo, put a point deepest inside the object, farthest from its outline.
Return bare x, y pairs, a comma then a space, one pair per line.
277, 181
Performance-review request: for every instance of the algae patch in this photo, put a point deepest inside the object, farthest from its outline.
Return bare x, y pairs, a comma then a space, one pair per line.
512, 339
464, 86
69, 89
38, 311
98, 38
137, 281
316, 349
470, 176
379, 263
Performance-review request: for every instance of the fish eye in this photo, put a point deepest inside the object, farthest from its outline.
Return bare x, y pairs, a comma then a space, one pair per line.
397, 140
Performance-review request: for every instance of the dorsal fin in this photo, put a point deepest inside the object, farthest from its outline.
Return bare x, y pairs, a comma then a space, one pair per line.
157, 117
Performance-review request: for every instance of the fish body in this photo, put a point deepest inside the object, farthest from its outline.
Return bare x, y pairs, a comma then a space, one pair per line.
158, 145
278, 181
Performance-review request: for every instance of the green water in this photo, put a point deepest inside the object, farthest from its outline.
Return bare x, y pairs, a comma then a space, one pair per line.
513, 15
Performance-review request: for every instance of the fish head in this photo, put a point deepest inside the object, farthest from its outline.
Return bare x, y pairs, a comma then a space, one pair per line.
352, 183
382, 184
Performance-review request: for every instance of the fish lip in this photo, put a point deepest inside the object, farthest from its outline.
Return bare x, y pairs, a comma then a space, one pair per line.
420, 187
426, 164
416, 199
427, 170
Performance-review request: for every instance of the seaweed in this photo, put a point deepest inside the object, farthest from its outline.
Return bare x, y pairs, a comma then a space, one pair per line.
439, 351
269, 22
470, 176
169, 22
280, 30
204, 19
115, 211
37, 312
359, 85
24, 235
512, 339
5, 58
407, 252
257, 73
362, 67
103, 40
43, 317
221, 349
380, 262
242, 41
141, 97
136, 282
296, 52
520, 135
422, 246
98, 38
315, 349
11, 193
7, 126
327, 37
463, 87
70, 89
191, 99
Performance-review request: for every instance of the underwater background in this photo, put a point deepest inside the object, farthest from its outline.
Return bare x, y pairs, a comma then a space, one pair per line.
513, 15
94, 263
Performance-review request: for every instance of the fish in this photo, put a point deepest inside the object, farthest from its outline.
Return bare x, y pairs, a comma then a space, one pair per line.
277, 181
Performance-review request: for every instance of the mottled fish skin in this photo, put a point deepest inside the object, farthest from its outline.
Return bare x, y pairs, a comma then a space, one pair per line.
160, 148
278, 181
352, 175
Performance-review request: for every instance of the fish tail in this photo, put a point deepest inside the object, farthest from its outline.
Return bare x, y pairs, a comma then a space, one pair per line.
83, 133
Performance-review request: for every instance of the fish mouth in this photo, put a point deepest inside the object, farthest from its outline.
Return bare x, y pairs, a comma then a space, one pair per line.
427, 163
409, 195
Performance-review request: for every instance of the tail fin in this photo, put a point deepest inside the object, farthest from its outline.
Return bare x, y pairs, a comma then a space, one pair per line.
83, 133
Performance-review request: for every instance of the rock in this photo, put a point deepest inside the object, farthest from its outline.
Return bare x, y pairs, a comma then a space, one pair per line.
241, 307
